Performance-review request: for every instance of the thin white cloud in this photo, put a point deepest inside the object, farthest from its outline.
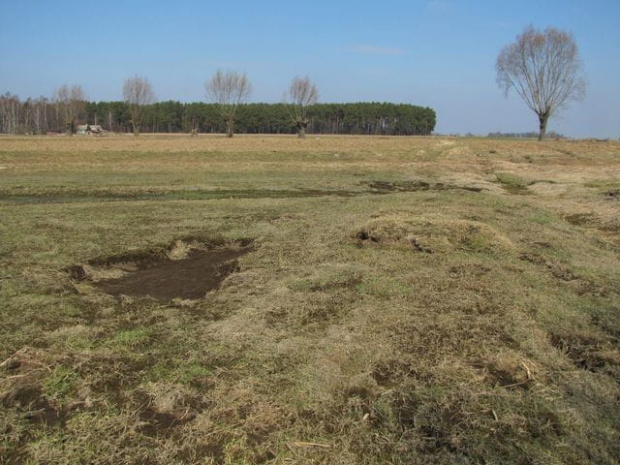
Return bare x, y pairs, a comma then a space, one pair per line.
375, 50
441, 6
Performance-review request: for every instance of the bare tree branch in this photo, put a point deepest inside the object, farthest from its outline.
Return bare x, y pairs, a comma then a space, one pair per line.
228, 90
301, 94
544, 69
137, 92
71, 102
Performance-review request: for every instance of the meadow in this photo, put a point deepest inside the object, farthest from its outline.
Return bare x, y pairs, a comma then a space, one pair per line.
370, 300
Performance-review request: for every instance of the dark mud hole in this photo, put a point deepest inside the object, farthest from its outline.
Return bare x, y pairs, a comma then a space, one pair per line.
156, 275
189, 278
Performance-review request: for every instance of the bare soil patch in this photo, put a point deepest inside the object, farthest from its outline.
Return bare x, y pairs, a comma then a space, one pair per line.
183, 271
190, 278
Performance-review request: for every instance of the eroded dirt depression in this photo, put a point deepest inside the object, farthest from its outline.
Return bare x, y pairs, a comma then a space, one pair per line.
181, 271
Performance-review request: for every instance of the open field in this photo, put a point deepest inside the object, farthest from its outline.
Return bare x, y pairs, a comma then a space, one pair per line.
375, 301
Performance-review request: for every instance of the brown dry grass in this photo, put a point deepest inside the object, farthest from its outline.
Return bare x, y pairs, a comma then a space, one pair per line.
389, 314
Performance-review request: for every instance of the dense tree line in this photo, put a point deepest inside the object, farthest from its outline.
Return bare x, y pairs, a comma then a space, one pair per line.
42, 115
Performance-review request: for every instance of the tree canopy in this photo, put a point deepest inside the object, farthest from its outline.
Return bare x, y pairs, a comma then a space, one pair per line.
301, 95
228, 90
137, 92
544, 68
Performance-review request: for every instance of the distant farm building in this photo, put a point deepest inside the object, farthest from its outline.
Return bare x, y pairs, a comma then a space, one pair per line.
89, 129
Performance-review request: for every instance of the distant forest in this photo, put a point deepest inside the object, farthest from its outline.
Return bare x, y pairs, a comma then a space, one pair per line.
42, 116
525, 135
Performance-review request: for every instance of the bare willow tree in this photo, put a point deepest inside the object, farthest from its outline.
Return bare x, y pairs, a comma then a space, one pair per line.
544, 69
71, 103
302, 94
137, 92
228, 90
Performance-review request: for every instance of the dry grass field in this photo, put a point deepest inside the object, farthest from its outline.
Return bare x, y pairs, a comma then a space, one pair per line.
333, 300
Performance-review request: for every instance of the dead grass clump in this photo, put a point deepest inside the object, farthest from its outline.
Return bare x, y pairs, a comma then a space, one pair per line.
26, 359
22, 386
114, 375
610, 224
581, 219
41, 391
179, 251
238, 426
449, 333
579, 282
557, 269
393, 371
164, 406
311, 314
509, 370
433, 234
452, 420
588, 351
329, 278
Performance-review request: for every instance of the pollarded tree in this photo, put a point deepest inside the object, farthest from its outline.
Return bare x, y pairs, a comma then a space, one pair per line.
71, 103
228, 90
301, 94
137, 92
544, 69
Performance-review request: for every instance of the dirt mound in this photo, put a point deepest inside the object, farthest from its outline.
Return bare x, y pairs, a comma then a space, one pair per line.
183, 270
432, 234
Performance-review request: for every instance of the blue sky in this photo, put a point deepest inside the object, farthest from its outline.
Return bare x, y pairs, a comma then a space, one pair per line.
437, 53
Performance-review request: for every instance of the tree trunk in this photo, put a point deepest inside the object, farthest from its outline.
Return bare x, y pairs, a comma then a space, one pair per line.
301, 129
543, 126
230, 125
136, 129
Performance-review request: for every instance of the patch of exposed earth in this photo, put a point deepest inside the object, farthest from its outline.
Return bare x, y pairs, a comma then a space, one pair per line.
186, 270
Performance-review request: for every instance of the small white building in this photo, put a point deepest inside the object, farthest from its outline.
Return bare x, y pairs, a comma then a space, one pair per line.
89, 129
